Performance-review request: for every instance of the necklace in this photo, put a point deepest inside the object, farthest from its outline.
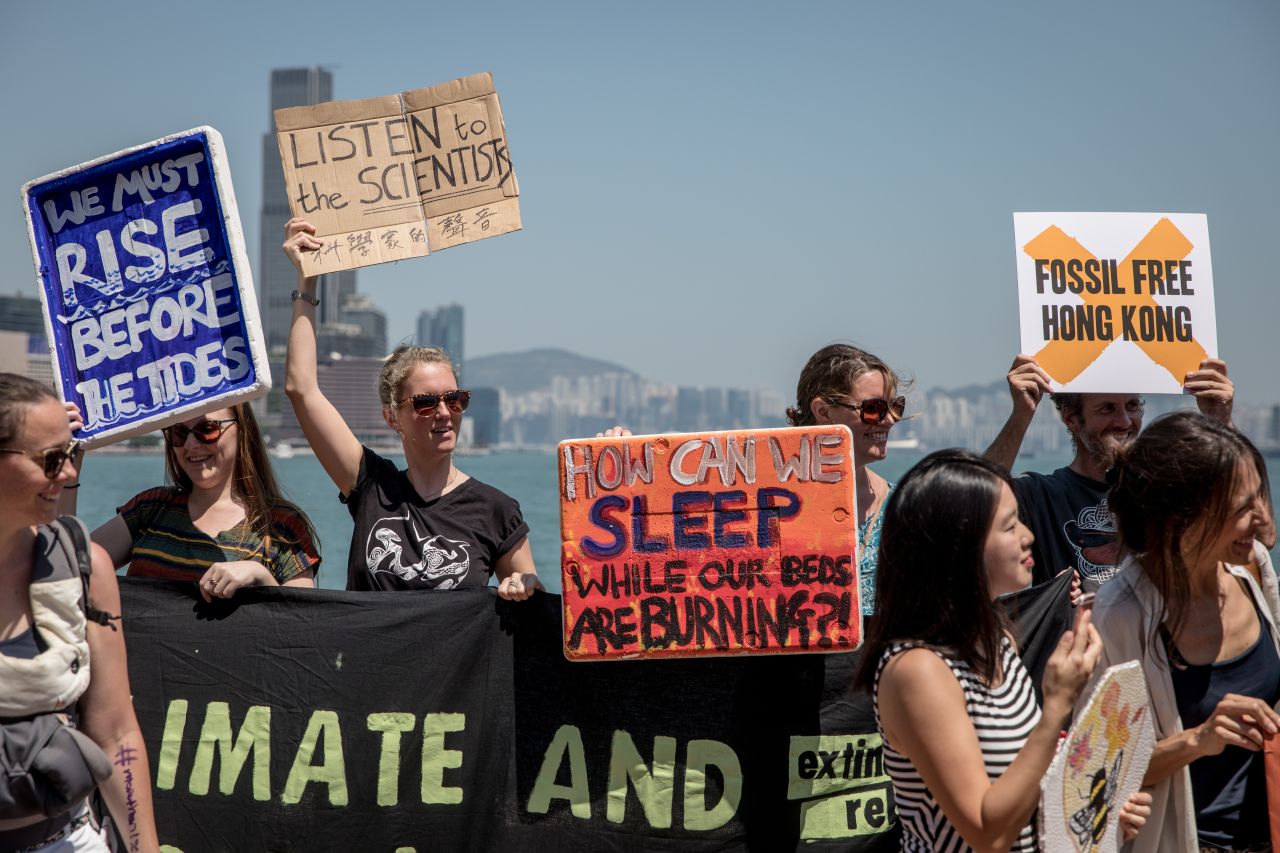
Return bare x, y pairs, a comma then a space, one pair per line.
453, 474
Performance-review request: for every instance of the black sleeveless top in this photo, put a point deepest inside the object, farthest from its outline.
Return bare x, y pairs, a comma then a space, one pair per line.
1229, 789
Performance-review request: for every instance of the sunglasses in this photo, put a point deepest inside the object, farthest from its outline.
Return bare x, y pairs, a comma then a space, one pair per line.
425, 404
206, 432
51, 460
874, 410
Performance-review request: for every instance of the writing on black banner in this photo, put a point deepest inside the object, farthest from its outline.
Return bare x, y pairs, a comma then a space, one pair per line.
708, 544
356, 740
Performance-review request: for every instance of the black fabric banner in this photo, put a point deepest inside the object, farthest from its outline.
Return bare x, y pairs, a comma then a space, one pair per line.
300, 720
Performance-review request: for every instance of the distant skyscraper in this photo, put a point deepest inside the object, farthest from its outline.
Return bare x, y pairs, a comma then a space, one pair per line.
360, 310
22, 314
290, 87
443, 328
485, 414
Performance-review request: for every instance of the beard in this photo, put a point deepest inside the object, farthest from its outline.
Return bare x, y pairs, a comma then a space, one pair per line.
1102, 447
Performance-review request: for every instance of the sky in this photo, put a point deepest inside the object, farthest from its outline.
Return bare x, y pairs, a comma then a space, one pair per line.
711, 191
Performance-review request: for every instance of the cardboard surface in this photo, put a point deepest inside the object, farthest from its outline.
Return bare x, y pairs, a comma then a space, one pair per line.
396, 177
1116, 302
1098, 767
709, 544
147, 291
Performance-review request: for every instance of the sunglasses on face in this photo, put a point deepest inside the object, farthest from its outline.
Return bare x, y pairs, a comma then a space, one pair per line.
52, 459
206, 432
874, 410
425, 404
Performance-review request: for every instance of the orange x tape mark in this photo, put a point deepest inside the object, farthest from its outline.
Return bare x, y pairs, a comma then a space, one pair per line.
1065, 360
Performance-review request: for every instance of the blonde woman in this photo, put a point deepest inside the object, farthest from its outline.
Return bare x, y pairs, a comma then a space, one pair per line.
429, 526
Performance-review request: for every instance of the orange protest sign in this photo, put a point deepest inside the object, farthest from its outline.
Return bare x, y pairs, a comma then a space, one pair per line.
1115, 301
708, 544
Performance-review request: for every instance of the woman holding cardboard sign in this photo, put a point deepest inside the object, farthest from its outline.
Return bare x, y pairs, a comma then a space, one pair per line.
221, 520
1191, 500
842, 384
964, 741
428, 527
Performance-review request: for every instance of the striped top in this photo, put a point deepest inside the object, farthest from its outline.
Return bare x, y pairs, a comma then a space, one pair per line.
166, 544
1002, 717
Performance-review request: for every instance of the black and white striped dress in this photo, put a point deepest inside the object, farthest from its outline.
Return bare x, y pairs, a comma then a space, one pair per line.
1003, 718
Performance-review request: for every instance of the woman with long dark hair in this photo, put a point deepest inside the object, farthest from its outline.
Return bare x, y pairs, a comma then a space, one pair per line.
1191, 499
841, 384
45, 636
964, 741
221, 520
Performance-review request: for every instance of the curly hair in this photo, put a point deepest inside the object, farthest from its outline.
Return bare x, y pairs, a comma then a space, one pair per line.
831, 372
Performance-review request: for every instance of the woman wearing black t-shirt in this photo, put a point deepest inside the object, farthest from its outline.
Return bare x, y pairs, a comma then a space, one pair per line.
430, 526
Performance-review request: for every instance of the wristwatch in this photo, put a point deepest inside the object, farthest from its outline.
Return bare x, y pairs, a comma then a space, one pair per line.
305, 297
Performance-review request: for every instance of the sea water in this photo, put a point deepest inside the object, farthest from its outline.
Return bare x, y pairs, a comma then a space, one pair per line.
109, 479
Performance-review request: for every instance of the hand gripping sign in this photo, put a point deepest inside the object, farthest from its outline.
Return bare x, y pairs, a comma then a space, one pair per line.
147, 292
1116, 302
709, 544
1099, 765
384, 179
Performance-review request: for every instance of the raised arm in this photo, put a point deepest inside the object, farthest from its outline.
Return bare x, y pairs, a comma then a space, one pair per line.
108, 718
1215, 393
1028, 383
335, 445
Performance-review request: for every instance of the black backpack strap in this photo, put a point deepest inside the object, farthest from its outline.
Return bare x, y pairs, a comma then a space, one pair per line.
83, 565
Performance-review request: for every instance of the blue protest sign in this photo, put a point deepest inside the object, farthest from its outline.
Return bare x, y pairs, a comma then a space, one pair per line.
147, 290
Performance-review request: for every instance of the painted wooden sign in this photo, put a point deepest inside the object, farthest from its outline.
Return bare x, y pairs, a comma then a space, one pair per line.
709, 544
148, 296
1098, 767
1116, 302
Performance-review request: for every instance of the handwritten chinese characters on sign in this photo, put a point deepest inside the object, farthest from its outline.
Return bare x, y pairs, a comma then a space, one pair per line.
396, 177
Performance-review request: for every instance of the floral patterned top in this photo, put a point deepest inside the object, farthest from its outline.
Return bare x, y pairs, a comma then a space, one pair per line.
869, 540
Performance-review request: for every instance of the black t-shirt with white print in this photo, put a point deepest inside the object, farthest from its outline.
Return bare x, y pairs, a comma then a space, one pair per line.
403, 542
1072, 524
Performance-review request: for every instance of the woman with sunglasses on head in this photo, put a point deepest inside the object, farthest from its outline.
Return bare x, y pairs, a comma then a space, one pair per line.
45, 636
842, 384
430, 526
1191, 501
221, 521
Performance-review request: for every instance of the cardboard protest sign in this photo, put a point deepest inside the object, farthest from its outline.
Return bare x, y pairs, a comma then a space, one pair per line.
384, 179
708, 544
1116, 302
147, 291
1098, 767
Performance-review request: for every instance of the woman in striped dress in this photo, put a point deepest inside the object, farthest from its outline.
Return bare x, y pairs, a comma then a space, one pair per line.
964, 742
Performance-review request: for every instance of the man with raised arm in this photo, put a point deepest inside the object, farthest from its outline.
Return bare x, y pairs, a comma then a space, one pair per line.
1067, 509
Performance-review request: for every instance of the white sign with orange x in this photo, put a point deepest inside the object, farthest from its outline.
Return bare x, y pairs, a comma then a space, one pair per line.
1116, 302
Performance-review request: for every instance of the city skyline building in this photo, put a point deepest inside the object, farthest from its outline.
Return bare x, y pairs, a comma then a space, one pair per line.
276, 279
444, 328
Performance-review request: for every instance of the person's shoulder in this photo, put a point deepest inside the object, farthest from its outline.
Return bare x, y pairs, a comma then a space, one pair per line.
918, 671
1118, 608
479, 490
290, 518
155, 496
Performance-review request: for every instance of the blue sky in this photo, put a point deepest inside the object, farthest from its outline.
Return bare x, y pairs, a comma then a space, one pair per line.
713, 190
